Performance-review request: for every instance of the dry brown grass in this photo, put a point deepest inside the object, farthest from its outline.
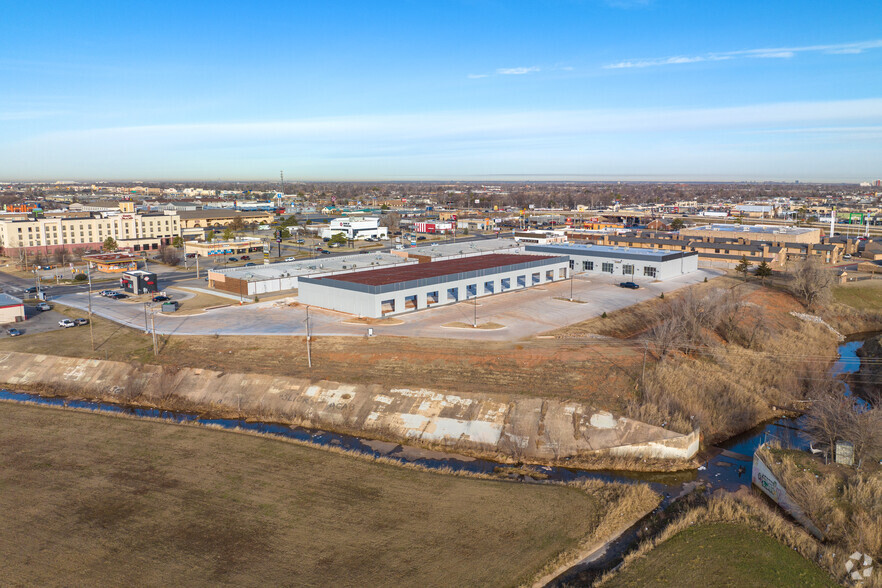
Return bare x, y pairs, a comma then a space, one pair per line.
97, 499
629, 503
200, 301
728, 389
846, 504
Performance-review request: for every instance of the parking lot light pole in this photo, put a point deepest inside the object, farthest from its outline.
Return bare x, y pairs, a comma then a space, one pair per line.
146, 325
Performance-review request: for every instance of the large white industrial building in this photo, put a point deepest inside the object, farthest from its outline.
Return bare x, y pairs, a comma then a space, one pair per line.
356, 228
390, 291
630, 262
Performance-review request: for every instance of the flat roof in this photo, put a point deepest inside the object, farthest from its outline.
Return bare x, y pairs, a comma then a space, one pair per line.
464, 248
9, 300
219, 213
762, 229
435, 269
313, 266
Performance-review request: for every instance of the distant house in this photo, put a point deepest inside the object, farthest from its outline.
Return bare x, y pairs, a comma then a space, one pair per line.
872, 251
659, 225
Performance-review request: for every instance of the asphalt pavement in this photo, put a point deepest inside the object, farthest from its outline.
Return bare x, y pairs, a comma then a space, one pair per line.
522, 313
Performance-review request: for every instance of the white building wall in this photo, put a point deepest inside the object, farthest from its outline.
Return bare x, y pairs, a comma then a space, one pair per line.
11, 314
371, 305
664, 270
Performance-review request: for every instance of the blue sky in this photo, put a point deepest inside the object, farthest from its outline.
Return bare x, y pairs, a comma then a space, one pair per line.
470, 89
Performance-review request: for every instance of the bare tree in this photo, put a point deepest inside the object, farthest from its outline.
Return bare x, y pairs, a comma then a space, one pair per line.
667, 336
811, 282
826, 420
392, 220
169, 255
835, 416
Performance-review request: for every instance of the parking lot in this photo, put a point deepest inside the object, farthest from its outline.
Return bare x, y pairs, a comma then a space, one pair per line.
36, 321
521, 313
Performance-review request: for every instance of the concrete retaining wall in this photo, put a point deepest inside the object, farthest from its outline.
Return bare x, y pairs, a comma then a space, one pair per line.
521, 428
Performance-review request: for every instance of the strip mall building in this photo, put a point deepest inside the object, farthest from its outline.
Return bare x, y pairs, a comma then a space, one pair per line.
391, 291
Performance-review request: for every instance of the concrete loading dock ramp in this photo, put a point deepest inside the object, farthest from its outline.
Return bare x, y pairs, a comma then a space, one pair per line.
494, 425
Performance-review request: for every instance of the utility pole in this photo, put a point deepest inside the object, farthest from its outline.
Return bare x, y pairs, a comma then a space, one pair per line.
475, 319
643, 375
153, 323
91, 333
197, 266
146, 326
308, 351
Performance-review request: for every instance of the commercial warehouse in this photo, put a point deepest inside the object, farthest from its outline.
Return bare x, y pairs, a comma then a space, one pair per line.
391, 291
11, 309
277, 277
630, 262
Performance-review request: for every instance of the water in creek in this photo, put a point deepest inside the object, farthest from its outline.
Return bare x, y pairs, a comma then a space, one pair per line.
729, 469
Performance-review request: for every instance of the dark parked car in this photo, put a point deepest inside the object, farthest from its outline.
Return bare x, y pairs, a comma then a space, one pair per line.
233, 259
160, 298
81, 321
250, 263
13, 332
421, 238
246, 257
325, 252
118, 296
629, 285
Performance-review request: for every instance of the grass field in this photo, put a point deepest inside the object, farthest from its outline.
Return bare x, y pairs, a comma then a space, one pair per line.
721, 554
865, 295
91, 499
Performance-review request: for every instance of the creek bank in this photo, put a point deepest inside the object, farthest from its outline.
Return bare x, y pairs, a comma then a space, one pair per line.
499, 427
868, 379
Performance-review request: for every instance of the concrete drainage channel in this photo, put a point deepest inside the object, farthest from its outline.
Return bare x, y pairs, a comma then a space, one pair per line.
727, 470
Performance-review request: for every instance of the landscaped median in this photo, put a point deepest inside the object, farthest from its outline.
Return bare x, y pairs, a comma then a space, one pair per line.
113, 500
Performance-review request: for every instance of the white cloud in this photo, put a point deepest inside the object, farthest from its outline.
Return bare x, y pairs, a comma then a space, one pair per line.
516, 71
477, 76
772, 52
359, 131
775, 55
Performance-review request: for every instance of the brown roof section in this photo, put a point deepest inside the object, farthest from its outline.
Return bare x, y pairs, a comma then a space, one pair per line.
420, 271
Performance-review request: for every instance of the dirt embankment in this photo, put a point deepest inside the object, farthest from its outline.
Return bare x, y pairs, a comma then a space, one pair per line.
496, 426
868, 380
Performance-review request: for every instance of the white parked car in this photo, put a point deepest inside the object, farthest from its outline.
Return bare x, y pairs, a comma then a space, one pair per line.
290, 259
43, 306
65, 323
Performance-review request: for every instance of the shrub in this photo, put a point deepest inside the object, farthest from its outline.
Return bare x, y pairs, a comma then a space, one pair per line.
81, 277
